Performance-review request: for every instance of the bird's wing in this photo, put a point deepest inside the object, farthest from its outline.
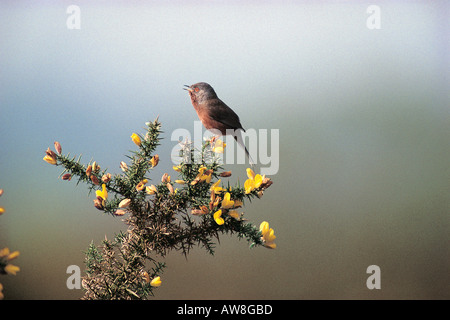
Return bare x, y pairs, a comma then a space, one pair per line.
220, 112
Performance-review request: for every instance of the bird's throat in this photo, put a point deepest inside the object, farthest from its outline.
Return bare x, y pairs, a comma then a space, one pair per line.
193, 98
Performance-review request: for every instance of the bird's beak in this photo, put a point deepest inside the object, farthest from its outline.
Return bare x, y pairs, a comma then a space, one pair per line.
188, 88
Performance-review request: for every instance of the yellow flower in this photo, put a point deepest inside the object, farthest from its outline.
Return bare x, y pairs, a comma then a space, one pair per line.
150, 189
267, 235
218, 217
12, 269
136, 139
50, 156
2, 210
219, 145
226, 202
177, 168
249, 185
215, 187
203, 175
154, 160
253, 182
258, 180
206, 176
180, 181
140, 186
49, 159
103, 193
4, 252
202, 169
156, 282
12, 255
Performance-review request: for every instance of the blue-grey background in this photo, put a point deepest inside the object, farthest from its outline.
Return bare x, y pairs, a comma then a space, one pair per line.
364, 138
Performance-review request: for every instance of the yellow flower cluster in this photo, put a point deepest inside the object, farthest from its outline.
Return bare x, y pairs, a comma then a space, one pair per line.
155, 282
224, 206
228, 204
5, 257
8, 256
215, 188
203, 175
256, 181
253, 181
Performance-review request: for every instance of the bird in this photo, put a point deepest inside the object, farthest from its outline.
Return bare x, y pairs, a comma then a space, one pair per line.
214, 114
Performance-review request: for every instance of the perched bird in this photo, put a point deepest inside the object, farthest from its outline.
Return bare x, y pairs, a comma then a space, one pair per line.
215, 114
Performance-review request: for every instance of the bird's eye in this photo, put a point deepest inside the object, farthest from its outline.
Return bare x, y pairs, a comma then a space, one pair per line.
196, 89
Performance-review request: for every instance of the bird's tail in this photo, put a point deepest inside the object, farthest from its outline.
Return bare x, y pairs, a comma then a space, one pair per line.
238, 138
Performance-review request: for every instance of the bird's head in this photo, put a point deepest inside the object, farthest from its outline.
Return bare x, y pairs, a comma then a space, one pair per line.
200, 92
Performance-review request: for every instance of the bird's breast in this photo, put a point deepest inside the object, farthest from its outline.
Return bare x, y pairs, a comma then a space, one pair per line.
208, 122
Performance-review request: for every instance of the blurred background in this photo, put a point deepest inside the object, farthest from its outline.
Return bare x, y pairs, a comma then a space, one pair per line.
363, 117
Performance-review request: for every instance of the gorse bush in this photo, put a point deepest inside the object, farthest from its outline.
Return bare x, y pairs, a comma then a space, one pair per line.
162, 214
